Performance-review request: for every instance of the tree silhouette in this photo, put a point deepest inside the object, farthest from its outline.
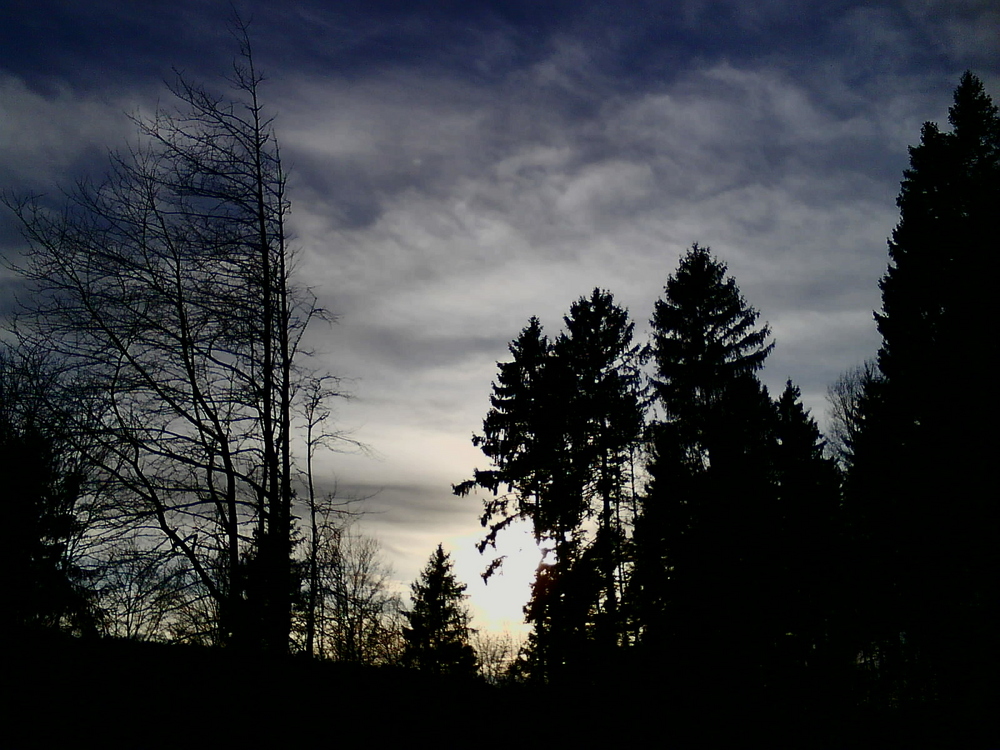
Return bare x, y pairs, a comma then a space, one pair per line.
523, 438
356, 614
926, 523
437, 636
45, 487
803, 551
565, 421
607, 418
168, 288
848, 409
708, 511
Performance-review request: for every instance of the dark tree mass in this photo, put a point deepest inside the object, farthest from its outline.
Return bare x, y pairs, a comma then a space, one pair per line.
708, 512
705, 532
44, 483
920, 487
563, 434
705, 554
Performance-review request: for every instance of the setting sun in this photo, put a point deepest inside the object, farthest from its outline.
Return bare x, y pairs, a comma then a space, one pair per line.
498, 604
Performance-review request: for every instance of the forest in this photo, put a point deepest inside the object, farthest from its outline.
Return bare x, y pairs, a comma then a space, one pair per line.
714, 566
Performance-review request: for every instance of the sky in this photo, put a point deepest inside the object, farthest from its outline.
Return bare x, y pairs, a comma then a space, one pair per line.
456, 168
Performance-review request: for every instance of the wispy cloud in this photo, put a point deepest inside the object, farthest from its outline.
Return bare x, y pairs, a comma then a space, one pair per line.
454, 173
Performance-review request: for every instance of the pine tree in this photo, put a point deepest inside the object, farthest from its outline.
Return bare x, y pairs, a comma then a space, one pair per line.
523, 438
566, 418
437, 636
606, 420
919, 491
704, 518
804, 553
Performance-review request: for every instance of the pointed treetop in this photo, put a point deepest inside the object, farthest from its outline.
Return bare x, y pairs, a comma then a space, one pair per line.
437, 634
705, 333
973, 115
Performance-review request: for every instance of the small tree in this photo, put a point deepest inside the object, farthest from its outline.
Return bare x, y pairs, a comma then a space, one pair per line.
497, 653
356, 611
437, 637
44, 489
850, 404
141, 590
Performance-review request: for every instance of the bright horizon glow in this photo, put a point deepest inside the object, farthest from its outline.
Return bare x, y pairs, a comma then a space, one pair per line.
498, 605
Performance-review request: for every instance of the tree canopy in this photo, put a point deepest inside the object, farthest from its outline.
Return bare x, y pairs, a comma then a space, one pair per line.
705, 514
565, 421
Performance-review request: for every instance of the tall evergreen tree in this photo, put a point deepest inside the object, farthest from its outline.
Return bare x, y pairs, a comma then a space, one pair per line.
523, 438
566, 417
705, 517
919, 491
606, 420
805, 554
437, 634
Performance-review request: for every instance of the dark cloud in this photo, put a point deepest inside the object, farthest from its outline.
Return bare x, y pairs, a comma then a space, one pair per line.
458, 167
417, 349
103, 44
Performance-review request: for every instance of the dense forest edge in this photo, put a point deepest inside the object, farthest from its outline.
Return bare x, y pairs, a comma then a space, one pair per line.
715, 568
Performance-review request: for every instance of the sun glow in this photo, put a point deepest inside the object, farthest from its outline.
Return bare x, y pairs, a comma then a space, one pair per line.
498, 604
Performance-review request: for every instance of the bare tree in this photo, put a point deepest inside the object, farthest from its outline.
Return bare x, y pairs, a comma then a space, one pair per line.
496, 653
326, 514
142, 591
357, 611
168, 289
847, 398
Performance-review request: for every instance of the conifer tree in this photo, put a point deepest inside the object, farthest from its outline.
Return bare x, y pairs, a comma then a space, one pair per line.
523, 438
566, 418
704, 518
437, 634
804, 553
605, 422
919, 491
45, 483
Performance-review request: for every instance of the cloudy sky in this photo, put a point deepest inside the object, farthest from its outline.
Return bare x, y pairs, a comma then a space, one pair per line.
459, 167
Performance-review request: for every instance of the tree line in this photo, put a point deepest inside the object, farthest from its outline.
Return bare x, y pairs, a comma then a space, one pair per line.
157, 397
696, 527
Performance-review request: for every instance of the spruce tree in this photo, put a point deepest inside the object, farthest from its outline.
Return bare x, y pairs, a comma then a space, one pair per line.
437, 635
920, 488
606, 420
804, 555
523, 439
565, 421
704, 519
